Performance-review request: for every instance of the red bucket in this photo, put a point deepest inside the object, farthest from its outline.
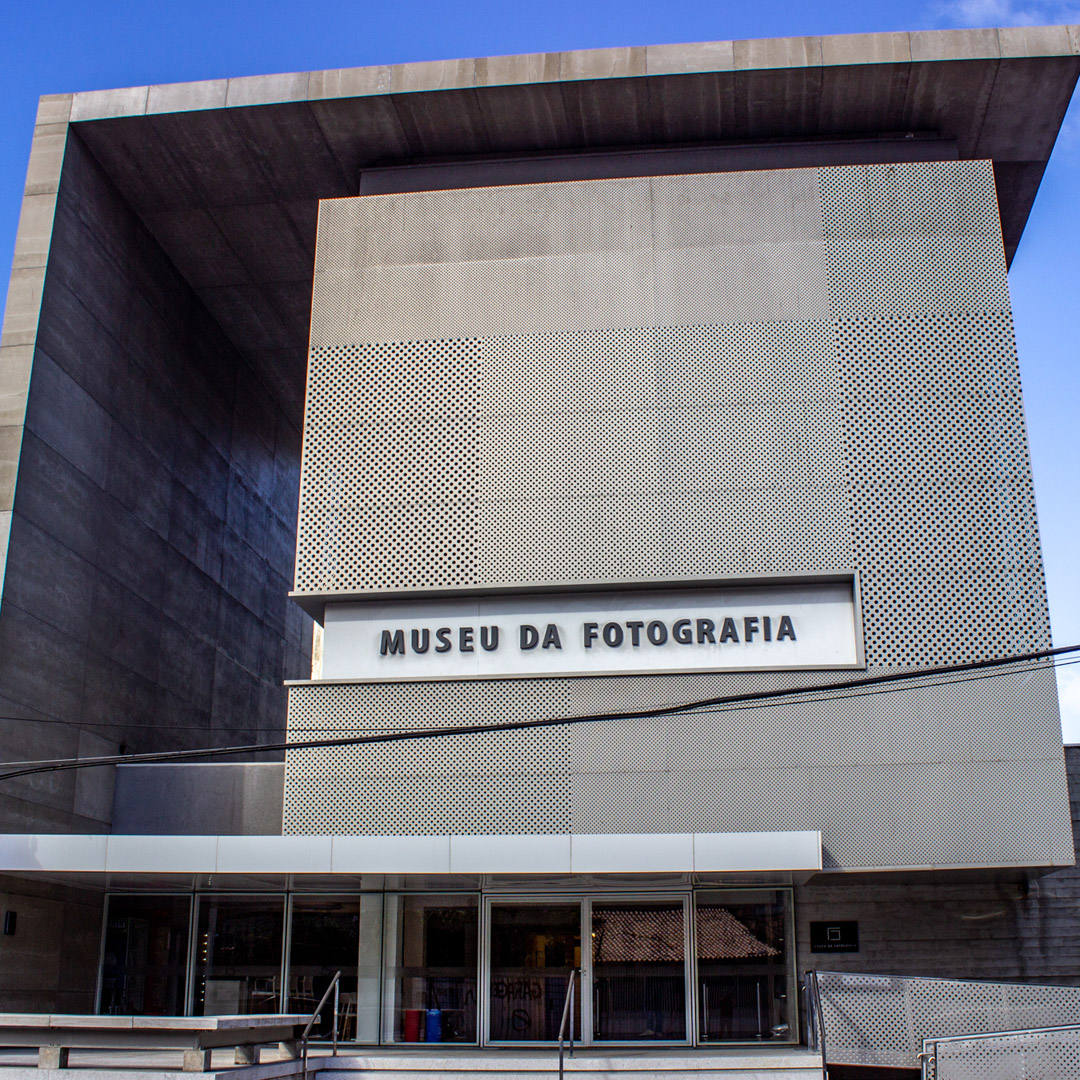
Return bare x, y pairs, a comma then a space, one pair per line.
414, 1025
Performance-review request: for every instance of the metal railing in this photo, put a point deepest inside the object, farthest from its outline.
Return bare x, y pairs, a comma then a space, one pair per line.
815, 1028
567, 1017
315, 1018
1003, 1055
867, 1019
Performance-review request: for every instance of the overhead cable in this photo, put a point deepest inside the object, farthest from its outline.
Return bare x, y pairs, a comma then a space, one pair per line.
750, 698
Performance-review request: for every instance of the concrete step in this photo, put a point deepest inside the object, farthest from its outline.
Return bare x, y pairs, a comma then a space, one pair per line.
736, 1063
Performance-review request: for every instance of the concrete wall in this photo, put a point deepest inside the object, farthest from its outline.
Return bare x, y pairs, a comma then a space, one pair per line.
151, 545
198, 800
50, 963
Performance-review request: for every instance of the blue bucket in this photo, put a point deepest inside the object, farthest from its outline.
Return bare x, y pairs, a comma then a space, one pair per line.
433, 1030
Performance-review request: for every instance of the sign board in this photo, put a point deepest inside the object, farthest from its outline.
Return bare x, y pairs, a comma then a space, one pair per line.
593, 633
841, 936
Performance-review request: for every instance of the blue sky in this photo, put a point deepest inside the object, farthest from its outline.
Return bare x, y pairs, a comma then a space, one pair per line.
56, 46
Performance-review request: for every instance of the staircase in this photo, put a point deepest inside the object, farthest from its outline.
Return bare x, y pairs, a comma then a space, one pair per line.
393, 1063
735, 1063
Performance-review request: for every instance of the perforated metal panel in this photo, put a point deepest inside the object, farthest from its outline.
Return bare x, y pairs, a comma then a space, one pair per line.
884, 1020
774, 372
390, 488
943, 506
1031, 1055
567, 457
879, 789
913, 239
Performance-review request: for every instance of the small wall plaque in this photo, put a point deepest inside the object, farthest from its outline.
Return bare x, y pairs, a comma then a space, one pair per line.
840, 936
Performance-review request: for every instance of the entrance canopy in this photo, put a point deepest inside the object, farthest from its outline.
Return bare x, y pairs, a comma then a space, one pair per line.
618, 853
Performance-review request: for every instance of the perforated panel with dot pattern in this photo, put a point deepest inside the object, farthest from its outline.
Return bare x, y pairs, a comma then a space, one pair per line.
686, 377
943, 508
880, 774
1030, 1056
566, 457
390, 487
913, 239
883, 1020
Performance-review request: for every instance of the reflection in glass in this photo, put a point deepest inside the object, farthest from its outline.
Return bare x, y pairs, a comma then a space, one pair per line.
534, 947
639, 971
146, 940
744, 966
431, 955
337, 933
238, 955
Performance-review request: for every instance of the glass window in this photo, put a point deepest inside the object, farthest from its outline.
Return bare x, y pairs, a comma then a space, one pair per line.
238, 955
431, 958
639, 970
534, 949
145, 962
337, 933
745, 971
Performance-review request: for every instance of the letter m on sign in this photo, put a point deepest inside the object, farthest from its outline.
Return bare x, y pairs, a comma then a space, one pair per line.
392, 643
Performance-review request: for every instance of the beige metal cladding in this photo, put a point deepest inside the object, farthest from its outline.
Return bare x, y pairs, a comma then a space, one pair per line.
569, 382
573, 456
852, 401
696, 376
960, 775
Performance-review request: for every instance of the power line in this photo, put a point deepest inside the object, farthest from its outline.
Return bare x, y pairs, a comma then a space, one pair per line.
891, 689
29, 768
739, 706
127, 725
130, 725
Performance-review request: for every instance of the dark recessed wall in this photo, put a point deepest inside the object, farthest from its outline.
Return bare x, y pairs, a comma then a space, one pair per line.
151, 554
50, 963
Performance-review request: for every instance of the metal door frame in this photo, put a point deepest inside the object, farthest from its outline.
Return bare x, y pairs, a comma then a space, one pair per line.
689, 995
485, 961
585, 900
794, 1003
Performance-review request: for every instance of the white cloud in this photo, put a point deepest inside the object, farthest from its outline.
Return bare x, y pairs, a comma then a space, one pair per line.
1005, 13
1068, 680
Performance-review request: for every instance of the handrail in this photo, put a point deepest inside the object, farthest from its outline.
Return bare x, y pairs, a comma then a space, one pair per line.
567, 1014
817, 1019
928, 1057
315, 1018
859, 1024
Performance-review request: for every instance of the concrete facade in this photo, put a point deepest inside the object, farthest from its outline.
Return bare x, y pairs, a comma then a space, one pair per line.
51, 962
152, 382
152, 525
725, 377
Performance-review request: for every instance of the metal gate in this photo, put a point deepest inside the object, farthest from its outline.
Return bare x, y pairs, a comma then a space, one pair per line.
885, 1019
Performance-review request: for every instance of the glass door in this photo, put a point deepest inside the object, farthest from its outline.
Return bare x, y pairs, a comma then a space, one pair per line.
145, 957
639, 970
238, 958
533, 946
745, 966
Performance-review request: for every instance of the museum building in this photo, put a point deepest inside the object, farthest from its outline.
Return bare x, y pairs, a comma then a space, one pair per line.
651, 407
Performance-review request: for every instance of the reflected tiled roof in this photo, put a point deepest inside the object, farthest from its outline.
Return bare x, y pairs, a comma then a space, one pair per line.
627, 935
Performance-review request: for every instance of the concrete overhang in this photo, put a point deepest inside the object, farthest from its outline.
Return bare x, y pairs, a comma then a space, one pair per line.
792, 852
227, 173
